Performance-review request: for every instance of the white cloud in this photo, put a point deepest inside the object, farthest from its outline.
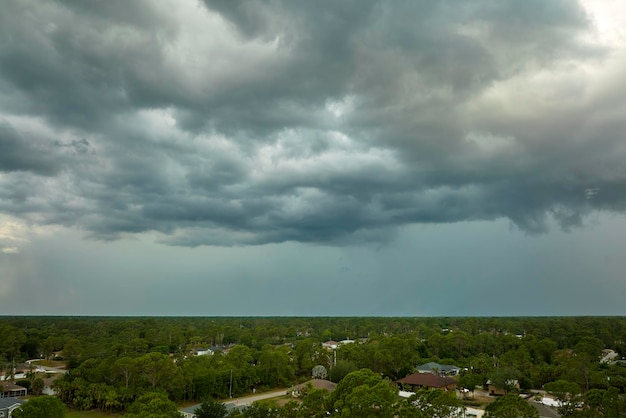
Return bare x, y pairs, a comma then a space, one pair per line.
15, 234
12, 235
207, 56
609, 19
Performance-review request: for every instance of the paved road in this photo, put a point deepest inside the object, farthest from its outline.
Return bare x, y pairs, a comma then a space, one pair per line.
248, 400
47, 369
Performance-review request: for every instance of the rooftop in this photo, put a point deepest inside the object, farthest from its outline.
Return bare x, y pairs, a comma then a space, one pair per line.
427, 379
9, 402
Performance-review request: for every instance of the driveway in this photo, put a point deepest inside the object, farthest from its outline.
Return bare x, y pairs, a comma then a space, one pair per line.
248, 400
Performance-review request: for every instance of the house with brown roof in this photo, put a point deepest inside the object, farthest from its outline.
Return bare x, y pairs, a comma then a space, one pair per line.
298, 390
11, 390
418, 381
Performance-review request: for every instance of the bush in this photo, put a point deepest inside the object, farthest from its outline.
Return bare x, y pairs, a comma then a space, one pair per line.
342, 369
43, 407
23, 383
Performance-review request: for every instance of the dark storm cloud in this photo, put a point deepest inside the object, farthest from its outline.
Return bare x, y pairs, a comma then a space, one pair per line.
251, 122
19, 154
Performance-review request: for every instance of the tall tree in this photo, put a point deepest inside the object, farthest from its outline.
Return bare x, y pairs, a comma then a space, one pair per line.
125, 367
510, 406
341, 370
438, 404
37, 387
153, 405
11, 339
211, 409
313, 404
156, 367
364, 393
470, 380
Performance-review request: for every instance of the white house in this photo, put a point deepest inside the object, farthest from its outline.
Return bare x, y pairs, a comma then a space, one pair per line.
331, 345
8, 405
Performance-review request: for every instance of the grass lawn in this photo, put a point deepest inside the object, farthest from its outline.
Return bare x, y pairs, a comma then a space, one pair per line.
50, 363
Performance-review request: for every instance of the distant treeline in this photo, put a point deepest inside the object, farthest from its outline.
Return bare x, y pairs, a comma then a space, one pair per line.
37, 334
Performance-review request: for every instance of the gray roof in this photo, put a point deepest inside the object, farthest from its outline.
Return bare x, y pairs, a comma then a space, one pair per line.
192, 409
432, 366
9, 402
545, 411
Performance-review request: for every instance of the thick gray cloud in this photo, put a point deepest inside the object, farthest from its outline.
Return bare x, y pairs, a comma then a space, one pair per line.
227, 123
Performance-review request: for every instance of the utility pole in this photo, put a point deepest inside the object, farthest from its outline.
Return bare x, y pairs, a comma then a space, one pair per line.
230, 388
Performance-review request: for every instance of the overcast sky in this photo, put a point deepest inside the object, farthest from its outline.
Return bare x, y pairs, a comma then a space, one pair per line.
180, 157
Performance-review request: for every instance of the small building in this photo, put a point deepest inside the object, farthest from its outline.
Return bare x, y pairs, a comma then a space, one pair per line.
331, 345
11, 390
8, 405
418, 381
495, 390
298, 390
608, 356
202, 352
473, 413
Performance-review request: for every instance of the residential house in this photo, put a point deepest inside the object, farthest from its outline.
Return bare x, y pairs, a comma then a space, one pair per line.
331, 345
472, 413
545, 411
190, 412
418, 381
8, 405
440, 369
297, 390
11, 390
608, 356
202, 352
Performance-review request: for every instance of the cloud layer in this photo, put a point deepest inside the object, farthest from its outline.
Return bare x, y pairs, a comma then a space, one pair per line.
229, 123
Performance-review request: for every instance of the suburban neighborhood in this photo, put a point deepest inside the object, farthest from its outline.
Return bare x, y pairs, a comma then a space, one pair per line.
288, 367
